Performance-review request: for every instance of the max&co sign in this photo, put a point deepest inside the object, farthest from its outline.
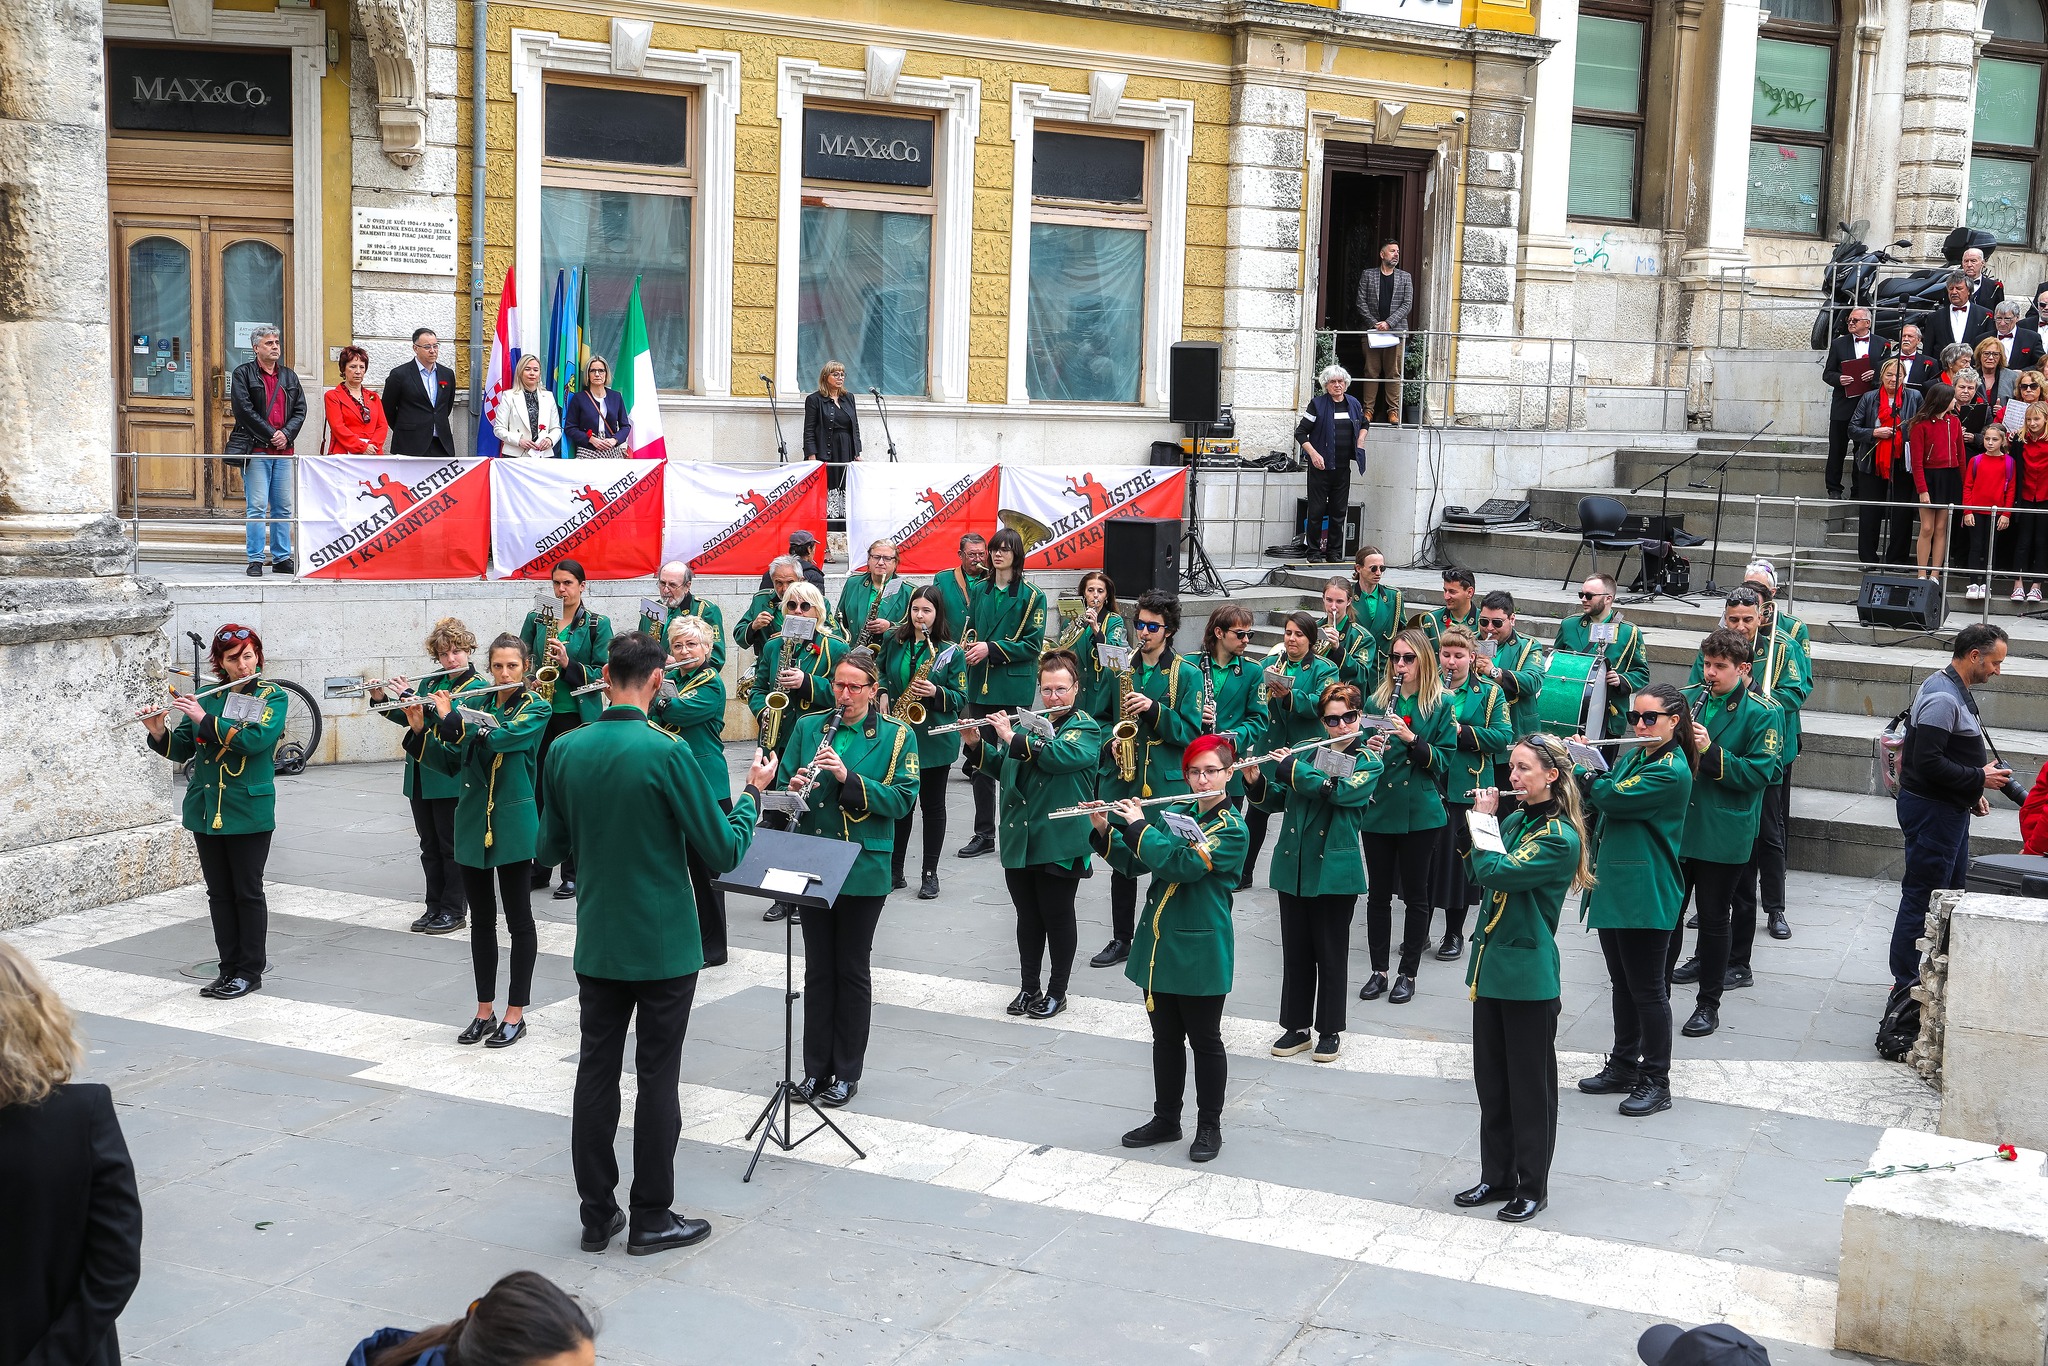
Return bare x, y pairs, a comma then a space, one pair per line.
199, 90
871, 149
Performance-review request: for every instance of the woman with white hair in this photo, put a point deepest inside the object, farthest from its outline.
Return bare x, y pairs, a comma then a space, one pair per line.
1331, 435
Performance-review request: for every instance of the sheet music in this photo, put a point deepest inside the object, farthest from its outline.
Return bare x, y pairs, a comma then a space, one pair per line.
1586, 757
783, 803
1485, 832
943, 657
654, 609
482, 720
784, 882
1335, 762
546, 602
1187, 827
1033, 723
1603, 633
241, 707
799, 628
1115, 658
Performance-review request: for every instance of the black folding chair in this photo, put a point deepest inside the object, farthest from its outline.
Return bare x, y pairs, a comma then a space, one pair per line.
1600, 519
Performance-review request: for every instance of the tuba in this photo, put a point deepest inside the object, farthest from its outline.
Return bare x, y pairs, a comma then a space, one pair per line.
771, 719
1123, 739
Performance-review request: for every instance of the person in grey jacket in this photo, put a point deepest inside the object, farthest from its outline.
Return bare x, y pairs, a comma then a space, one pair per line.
1385, 298
269, 407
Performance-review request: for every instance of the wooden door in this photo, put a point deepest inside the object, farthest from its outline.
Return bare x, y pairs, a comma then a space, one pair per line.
160, 270
248, 280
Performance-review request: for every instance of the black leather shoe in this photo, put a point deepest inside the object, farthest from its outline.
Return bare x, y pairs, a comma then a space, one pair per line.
1520, 1210
213, 987
1208, 1142
1292, 1042
508, 1033
678, 1232
1244, 880
796, 915
1648, 1098
838, 1093
235, 988
809, 1087
1481, 1194
440, 922
255, 569
1114, 952
598, 1239
1780, 927
928, 890
284, 566
563, 893
1153, 1132
896, 883
1374, 988
976, 847
1704, 1021
1046, 1006
1453, 945
1737, 977
1611, 1079
1404, 990
1692, 922
1021, 1003
776, 910
479, 1029
1688, 971
421, 923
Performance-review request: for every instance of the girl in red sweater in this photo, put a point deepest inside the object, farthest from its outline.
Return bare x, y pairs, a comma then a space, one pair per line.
1988, 488
2030, 551
1935, 439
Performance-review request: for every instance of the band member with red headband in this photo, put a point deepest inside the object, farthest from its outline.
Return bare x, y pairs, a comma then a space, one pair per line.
230, 802
1184, 954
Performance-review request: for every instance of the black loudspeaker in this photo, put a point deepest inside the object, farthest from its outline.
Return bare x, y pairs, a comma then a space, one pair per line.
1195, 382
1141, 553
1168, 453
1900, 600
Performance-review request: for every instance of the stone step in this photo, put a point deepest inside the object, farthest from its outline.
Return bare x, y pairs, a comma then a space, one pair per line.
1781, 474
1770, 444
1854, 835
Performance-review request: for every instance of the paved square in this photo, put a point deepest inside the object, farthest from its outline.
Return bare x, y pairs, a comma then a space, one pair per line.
321, 1159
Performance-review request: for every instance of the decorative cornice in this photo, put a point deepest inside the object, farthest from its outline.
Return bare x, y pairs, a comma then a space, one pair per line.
395, 32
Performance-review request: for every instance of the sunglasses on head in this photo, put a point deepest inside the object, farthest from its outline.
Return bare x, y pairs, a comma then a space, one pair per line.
1645, 718
1341, 718
241, 634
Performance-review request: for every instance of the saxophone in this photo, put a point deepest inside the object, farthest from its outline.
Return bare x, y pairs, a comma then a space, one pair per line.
545, 676
908, 709
771, 719
1124, 738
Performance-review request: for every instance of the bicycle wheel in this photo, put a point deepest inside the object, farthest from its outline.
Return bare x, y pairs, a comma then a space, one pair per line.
302, 727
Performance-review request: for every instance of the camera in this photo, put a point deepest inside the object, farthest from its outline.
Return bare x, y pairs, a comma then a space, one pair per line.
1458, 117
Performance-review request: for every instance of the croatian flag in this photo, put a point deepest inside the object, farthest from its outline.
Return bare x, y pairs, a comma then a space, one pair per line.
498, 373
636, 385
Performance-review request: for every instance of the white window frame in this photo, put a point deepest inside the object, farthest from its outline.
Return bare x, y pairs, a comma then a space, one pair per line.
715, 104
957, 102
1172, 126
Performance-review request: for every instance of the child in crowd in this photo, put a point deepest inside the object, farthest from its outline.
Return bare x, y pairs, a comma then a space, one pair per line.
2030, 557
1988, 488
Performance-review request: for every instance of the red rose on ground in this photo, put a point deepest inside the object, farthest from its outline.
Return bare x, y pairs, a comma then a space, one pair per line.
2008, 1152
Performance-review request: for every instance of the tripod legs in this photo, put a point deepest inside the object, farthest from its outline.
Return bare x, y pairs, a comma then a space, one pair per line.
769, 1124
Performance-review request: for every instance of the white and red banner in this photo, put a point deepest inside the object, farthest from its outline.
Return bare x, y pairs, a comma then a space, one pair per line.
723, 520
393, 517
1071, 507
604, 514
925, 509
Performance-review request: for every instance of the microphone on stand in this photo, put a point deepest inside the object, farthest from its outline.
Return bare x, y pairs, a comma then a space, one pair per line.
781, 444
884, 411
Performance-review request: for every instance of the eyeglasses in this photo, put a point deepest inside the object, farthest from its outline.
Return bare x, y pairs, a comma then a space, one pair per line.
1400, 658
1149, 625
1494, 624
1334, 719
1241, 635
1206, 771
1646, 718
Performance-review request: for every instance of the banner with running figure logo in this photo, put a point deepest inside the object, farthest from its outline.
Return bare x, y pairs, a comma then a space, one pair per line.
727, 520
1061, 511
394, 517
925, 509
604, 514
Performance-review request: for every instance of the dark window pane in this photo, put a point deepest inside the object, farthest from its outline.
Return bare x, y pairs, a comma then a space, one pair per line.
864, 297
612, 236
1086, 333
2016, 21
1802, 11
1609, 74
1791, 86
635, 126
1076, 166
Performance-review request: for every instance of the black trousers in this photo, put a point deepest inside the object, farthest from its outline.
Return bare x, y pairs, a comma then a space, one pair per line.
1329, 494
1404, 860
1045, 921
1642, 1000
2030, 521
1180, 1025
1838, 451
1123, 907
1256, 822
710, 903
434, 820
931, 803
1450, 888
1713, 891
561, 723
1315, 955
1886, 503
515, 889
839, 986
1763, 877
606, 1008
233, 868
1514, 1069
982, 783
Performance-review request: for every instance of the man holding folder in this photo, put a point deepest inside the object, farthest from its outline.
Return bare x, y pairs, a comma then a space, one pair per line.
1851, 371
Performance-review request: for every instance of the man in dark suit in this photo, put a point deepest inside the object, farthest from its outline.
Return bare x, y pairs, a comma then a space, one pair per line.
1851, 371
1920, 367
2040, 309
1959, 323
419, 396
1985, 292
2022, 344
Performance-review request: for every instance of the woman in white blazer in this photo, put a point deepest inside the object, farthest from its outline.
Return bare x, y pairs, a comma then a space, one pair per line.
528, 422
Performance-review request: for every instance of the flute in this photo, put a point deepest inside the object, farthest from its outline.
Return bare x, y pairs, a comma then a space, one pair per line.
973, 721
600, 685
1086, 808
400, 704
370, 685
203, 692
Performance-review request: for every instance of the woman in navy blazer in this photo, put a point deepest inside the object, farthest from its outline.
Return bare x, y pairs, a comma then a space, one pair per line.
596, 421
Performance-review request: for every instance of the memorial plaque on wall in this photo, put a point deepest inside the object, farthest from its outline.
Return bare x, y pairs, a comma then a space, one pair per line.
199, 90
873, 149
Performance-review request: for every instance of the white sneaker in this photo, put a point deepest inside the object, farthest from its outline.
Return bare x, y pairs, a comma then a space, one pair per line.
2019, 592
2034, 593
1974, 592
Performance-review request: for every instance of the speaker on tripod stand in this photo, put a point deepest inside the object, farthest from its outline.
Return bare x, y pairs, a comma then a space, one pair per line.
1194, 382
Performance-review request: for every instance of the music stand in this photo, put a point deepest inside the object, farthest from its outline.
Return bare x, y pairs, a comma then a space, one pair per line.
774, 863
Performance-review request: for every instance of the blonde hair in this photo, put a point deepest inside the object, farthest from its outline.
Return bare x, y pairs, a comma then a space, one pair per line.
2004, 437
1429, 688
1456, 635
39, 1045
689, 626
2035, 410
1565, 789
1987, 347
808, 591
449, 634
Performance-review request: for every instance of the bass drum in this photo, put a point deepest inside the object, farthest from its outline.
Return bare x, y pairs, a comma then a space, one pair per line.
1574, 695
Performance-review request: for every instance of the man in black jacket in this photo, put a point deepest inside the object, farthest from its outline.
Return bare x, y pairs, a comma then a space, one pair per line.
1958, 322
269, 407
2022, 345
1851, 371
419, 396
1943, 776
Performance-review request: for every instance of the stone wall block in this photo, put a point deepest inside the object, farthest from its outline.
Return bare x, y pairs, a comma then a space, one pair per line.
1256, 146
1263, 229
1487, 285
1247, 349
437, 168
1489, 246
1263, 270
1484, 319
1276, 106
1259, 389
1479, 175
1495, 129
395, 313
1261, 308
1490, 208
1265, 187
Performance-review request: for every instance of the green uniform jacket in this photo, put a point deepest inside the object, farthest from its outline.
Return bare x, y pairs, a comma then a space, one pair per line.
696, 716
1437, 618
817, 657
1514, 950
495, 819
881, 788
1240, 688
1382, 611
1185, 944
1319, 852
1098, 685
1791, 685
859, 591
958, 591
691, 606
1163, 733
1484, 735
1625, 655
428, 784
1357, 656
1640, 803
744, 635
1518, 668
1742, 758
589, 642
900, 663
1408, 797
1040, 776
626, 801
1291, 716
1011, 622
233, 788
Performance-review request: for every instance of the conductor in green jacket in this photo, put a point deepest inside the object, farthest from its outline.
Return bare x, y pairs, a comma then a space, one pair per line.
1515, 979
1006, 632
230, 799
1185, 958
1044, 860
626, 796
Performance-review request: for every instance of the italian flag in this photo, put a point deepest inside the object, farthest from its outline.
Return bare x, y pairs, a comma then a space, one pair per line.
636, 385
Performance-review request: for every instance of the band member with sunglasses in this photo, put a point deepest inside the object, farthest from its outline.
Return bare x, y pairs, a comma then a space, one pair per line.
1294, 679
230, 800
1479, 713
801, 669
691, 707
1627, 660
1516, 663
1407, 809
1379, 608
1318, 870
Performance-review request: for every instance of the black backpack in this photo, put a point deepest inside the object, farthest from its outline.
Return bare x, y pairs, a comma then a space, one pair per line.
1898, 1029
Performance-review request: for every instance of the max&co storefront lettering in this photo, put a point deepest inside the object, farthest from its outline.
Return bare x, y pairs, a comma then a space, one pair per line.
199, 90
872, 149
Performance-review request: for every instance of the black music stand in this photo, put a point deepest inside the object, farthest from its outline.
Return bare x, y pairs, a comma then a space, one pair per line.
823, 865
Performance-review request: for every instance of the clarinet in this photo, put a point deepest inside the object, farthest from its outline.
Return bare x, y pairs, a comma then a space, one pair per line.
809, 772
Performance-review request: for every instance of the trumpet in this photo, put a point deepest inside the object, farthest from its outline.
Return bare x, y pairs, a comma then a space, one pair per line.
364, 687
415, 700
772, 712
203, 692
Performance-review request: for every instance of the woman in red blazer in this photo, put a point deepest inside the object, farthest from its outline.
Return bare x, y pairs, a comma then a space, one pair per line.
355, 415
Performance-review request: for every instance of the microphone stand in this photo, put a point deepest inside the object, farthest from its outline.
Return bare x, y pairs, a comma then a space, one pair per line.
1720, 493
781, 445
1655, 587
881, 408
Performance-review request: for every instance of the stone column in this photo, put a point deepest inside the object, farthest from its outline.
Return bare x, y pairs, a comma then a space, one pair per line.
1934, 139
1719, 163
89, 809
1492, 164
1546, 268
